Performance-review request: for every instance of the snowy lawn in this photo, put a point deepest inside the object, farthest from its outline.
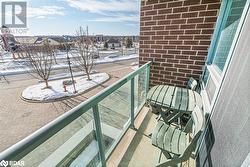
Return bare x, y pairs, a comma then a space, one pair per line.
14, 67
38, 93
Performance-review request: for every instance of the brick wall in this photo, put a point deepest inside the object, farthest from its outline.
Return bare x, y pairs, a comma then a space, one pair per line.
175, 36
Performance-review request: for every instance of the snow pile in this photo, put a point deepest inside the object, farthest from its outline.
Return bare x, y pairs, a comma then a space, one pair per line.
37, 92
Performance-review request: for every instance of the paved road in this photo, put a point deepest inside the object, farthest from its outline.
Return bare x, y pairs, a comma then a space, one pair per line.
18, 118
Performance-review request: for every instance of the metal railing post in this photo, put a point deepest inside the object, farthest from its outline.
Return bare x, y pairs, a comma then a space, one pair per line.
148, 77
99, 134
132, 114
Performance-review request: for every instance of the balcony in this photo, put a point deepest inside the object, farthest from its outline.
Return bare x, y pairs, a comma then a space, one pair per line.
89, 133
109, 129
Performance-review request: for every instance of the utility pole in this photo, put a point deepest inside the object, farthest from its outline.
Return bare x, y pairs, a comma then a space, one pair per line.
70, 69
87, 31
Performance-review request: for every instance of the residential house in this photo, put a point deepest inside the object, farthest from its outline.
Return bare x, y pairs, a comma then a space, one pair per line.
113, 43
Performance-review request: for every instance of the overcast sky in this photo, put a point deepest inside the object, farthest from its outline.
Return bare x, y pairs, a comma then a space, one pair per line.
63, 17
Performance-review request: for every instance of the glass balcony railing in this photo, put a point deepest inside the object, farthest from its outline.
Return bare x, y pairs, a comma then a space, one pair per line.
88, 133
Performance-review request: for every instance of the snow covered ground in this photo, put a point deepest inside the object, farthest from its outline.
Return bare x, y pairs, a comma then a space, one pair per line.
9, 66
38, 93
134, 65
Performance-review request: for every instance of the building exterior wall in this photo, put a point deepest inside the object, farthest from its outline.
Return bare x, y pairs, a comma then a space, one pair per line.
175, 36
227, 141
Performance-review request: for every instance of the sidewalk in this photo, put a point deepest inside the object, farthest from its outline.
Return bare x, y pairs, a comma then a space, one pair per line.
19, 119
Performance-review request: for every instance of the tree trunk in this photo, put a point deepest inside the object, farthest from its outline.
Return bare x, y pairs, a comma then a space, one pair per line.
47, 84
89, 79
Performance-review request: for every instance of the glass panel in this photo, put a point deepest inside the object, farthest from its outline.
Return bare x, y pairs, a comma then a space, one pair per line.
205, 76
228, 33
140, 90
74, 145
115, 115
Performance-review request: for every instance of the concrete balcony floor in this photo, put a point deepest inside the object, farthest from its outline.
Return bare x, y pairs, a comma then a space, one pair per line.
140, 152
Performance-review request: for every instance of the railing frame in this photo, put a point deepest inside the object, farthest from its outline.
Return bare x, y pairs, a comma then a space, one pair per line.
22, 148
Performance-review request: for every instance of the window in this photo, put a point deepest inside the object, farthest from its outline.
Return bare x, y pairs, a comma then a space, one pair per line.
227, 32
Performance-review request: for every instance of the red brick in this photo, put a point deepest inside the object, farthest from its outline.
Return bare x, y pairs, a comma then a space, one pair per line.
201, 37
146, 18
173, 16
156, 46
145, 28
149, 33
158, 27
174, 51
210, 1
161, 17
152, 2
195, 67
157, 37
188, 26
168, 56
186, 62
162, 42
151, 12
163, 22
170, 69
195, 20
184, 70
199, 47
144, 8
169, 47
162, 32
191, 2
207, 31
176, 32
187, 52
183, 47
189, 15
199, 63
185, 57
169, 27
197, 8
150, 23
213, 6
186, 37
164, 11
175, 42
196, 58
178, 21
175, 4
192, 42
199, 72
202, 53
180, 65
192, 31
210, 19
208, 13
160, 6
170, 37
204, 43
160, 51
180, 9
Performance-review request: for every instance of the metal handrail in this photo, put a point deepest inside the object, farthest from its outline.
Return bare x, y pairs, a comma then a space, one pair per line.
22, 148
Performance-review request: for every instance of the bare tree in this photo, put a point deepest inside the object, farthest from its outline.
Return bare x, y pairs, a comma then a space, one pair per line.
84, 56
40, 58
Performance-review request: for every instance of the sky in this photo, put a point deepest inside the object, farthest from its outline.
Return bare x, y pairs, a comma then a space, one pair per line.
64, 17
